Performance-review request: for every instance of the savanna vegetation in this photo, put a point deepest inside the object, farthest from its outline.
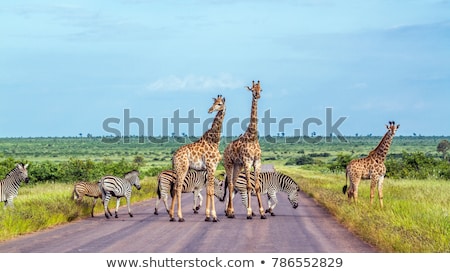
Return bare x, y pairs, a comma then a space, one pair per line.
416, 192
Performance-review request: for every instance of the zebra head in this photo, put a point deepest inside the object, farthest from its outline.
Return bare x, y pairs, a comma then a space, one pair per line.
22, 172
133, 178
293, 197
219, 189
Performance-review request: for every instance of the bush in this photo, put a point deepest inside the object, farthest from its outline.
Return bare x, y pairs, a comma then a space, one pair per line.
340, 163
302, 160
417, 166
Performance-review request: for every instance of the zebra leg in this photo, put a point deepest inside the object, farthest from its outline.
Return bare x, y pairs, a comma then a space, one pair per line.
272, 202
129, 206
106, 198
156, 206
93, 206
200, 200
164, 198
9, 202
117, 207
197, 195
353, 192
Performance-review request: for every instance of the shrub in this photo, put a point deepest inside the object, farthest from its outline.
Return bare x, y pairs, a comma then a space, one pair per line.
302, 160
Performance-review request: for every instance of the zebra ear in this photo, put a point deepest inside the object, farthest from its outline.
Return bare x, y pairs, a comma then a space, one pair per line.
25, 166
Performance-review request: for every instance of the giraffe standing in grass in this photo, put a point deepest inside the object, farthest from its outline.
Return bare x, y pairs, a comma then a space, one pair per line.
200, 155
245, 152
371, 167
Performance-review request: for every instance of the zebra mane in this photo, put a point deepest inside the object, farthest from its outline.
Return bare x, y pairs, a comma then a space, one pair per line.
131, 173
14, 171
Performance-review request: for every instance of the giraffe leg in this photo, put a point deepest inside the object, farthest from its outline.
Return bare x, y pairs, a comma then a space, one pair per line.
232, 175
249, 192
380, 190
171, 211
353, 190
208, 201
373, 183
210, 206
257, 167
179, 190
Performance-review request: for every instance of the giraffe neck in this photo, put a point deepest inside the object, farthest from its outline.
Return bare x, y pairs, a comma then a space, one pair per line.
213, 134
252, 129
383, 147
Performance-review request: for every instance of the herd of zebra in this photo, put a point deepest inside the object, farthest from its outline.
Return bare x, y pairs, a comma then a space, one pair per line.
195, 181
112, 186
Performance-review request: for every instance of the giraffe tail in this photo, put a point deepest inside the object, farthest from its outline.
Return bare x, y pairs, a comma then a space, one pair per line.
344, 189
225, 187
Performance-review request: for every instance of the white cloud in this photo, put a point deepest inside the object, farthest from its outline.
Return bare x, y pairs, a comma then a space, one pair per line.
195, 83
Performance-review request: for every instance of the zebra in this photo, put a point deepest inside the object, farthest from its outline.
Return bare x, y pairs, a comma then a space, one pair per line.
194, 182
9, 186
118, 187
93, 190
271, 183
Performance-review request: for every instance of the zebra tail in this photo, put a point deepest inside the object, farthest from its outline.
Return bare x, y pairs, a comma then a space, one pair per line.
158, 191
172, 189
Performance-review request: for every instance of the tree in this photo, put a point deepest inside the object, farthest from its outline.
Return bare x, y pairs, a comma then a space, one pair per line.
443, 147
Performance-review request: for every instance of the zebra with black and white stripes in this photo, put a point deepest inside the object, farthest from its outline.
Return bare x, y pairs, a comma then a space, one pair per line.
271, 183
82, 188
9, 186
194, 182
119, 187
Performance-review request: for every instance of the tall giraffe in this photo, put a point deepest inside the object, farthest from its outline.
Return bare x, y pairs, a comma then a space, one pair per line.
245, 152
200, 155
371, 167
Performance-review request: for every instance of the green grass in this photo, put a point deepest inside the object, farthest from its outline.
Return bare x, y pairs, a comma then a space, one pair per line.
415, 217
41, 206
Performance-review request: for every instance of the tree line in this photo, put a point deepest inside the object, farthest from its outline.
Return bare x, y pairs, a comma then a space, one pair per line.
75, 169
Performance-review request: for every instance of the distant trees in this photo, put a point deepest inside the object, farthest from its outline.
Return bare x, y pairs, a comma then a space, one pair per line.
443, 148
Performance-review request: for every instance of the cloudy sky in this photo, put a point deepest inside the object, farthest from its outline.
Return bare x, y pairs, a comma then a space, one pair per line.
97, 67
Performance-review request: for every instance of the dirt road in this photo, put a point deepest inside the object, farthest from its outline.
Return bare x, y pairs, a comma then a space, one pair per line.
307, 229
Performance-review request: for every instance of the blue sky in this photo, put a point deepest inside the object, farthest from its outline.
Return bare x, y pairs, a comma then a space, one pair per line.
67, 67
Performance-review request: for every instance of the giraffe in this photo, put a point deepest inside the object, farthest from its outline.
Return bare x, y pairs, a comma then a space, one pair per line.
200, 155
245, 152
371, 167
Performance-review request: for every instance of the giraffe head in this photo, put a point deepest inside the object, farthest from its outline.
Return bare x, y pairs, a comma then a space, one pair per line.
392, 127
256, 89
218, 105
